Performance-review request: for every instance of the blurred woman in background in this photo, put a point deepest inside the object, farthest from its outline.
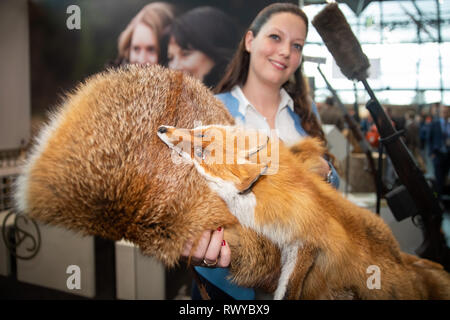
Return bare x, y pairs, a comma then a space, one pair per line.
201, 42
140, 42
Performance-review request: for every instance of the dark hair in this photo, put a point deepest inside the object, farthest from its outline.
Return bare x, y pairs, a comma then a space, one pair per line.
237, 70
329, 101
211, 31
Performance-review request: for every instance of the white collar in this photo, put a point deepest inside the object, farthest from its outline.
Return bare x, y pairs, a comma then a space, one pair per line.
286, 100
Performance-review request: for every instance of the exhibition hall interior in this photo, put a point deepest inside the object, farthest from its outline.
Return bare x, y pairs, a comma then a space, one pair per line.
97, 203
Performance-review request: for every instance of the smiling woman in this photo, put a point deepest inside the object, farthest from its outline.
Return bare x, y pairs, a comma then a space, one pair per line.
275, 53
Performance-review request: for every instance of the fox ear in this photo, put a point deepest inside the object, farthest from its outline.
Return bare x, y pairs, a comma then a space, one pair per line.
252, 174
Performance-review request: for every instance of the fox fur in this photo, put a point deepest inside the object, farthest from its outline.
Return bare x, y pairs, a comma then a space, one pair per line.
327, 243
99, 168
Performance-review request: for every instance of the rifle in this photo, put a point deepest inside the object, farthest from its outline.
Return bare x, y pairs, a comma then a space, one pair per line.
414, 197
427, 204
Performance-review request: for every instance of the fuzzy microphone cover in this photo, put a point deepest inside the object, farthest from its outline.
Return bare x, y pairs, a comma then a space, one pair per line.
337, 35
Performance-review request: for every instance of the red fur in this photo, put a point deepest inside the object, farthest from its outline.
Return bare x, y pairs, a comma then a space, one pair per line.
101, 170
341, 240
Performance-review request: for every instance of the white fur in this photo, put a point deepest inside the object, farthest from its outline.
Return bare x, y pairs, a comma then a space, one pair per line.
289, 257
41, 141
243, 208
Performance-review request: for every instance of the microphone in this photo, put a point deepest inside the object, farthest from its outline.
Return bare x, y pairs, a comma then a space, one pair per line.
337, 35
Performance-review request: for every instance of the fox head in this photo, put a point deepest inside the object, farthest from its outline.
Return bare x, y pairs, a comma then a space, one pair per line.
223, 154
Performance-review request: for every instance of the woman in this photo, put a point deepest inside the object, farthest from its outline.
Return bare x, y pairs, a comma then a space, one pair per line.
201, 43
264, 88
140, 42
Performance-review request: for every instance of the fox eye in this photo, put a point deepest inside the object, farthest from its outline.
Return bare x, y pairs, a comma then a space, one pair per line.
199, 135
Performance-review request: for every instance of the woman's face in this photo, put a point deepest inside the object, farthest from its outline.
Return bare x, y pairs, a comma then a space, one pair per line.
276, 52
144, 45
194, 62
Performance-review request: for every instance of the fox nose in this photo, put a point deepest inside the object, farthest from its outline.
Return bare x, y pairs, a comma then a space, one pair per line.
162, 129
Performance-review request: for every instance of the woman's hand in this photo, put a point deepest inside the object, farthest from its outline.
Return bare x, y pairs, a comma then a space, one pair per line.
324, 168
212, 250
